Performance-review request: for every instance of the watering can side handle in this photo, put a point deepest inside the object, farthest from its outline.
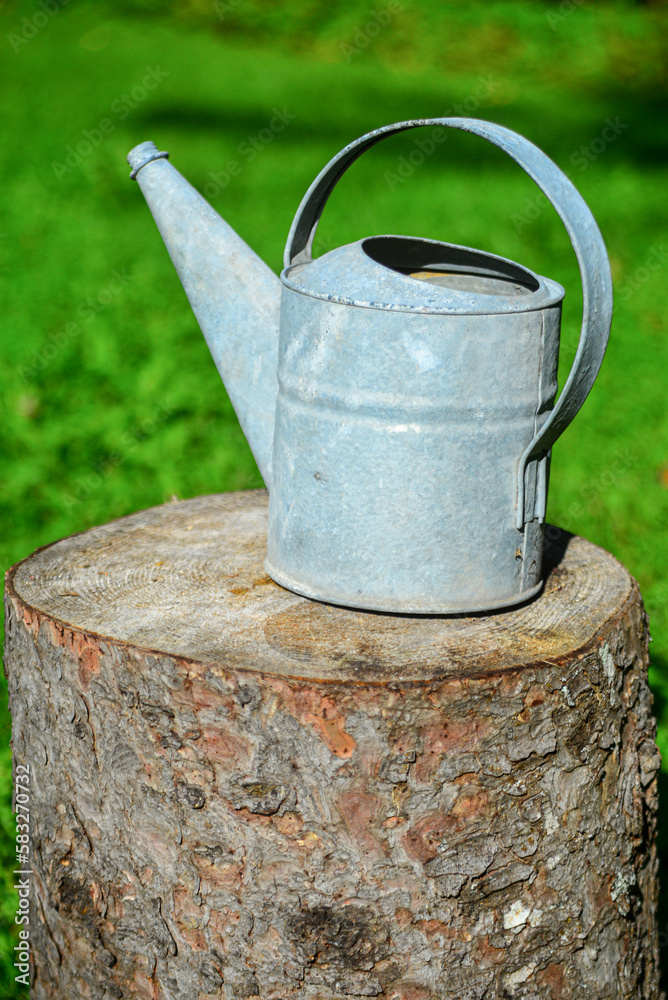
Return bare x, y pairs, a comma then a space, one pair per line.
582, 230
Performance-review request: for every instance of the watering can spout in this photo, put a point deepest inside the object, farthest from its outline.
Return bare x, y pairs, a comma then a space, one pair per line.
234, 295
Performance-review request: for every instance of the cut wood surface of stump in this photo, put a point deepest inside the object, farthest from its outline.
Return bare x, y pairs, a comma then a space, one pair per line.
237, 792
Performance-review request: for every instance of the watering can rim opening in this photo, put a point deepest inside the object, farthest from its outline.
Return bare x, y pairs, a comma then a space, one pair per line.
406, 291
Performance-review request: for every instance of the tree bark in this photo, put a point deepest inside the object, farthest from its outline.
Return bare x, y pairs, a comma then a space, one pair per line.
237, 792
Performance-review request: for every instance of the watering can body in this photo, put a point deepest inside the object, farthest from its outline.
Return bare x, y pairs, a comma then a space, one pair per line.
409, 387
399, 429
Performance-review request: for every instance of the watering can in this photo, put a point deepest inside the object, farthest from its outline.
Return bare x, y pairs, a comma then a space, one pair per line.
397, 393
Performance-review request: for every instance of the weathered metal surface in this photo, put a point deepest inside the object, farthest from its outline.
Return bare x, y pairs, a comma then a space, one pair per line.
234, 295
413, 418
396, 450
276, 798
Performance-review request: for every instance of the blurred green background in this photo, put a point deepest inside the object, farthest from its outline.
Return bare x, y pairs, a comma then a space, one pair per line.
110, 401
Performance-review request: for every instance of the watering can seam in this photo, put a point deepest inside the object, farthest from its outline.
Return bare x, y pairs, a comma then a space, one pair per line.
421, 310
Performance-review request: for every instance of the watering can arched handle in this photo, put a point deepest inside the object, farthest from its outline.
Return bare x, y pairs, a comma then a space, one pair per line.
582, 230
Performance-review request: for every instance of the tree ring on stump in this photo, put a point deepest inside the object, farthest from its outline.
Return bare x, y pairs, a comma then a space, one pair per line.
240, 792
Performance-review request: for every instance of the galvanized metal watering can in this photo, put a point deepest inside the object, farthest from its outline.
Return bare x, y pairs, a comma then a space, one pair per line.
397, 393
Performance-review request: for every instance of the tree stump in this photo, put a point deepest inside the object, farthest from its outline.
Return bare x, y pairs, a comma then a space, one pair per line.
238, 792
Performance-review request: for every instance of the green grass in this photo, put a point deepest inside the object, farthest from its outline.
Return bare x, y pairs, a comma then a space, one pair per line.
123, 408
